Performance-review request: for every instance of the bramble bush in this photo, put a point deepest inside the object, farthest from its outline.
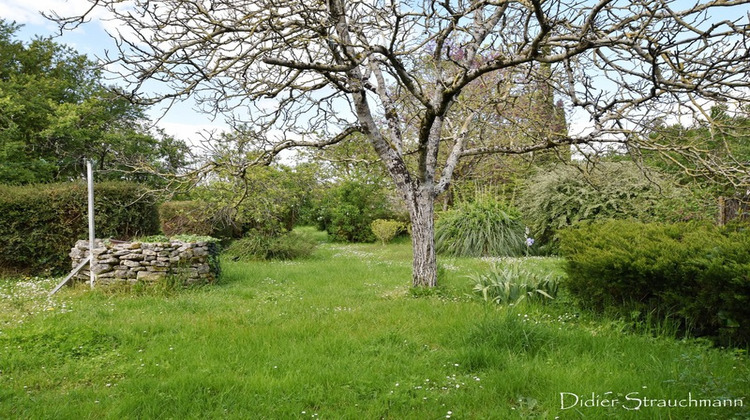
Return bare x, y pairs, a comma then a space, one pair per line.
178, 217
695, 274
40, 223
479, 228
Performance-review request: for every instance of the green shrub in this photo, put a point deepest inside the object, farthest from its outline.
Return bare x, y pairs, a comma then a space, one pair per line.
256, 246
268, 199
176, 217
480, 228
695, 274
512, 284
348, 209
386, 230
565, 196
196, 218
40, 223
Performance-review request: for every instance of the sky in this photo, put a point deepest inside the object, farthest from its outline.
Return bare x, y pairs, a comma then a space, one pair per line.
181, 121
91, 39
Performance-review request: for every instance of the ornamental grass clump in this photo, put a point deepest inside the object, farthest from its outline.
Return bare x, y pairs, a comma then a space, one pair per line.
482, 228
511, 284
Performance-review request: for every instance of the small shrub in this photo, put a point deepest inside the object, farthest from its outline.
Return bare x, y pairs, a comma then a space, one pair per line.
511, 284
481, 228
288, 246
386, 230
698, 275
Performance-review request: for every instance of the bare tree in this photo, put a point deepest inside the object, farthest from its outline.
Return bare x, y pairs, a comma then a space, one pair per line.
312, 73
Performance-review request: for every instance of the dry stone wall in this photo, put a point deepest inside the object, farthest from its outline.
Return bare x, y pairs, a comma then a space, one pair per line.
115, 261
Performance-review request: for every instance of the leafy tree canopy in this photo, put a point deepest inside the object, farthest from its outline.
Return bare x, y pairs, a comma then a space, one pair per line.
55, 112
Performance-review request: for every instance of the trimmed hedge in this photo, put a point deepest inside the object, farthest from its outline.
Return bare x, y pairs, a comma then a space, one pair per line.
698, 275
39, 224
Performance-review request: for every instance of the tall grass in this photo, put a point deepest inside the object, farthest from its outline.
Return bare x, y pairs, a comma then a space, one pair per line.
339, 335
483, 227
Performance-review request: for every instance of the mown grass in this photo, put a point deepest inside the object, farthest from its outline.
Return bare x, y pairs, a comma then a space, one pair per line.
340, 335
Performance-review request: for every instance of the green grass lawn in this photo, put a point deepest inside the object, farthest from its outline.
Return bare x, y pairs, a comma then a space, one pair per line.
340, 336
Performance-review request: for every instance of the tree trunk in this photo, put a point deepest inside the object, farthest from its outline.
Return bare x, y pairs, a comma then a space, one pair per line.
424, 265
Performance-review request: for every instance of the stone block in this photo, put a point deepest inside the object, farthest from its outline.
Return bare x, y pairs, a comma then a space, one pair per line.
101, 268
130, 263
135, 256
100, 251
150, 276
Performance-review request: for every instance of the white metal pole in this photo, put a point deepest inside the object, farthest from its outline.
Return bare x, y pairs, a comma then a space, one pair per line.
92, 236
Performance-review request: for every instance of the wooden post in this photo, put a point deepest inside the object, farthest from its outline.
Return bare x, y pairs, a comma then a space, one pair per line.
92, 236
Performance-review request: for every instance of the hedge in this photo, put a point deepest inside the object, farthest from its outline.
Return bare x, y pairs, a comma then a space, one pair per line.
40, 223
698, 275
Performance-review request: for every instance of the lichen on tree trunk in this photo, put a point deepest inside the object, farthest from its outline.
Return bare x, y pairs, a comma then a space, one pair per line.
421, 213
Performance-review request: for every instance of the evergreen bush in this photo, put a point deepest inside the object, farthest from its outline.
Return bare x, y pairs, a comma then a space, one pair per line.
696, 274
